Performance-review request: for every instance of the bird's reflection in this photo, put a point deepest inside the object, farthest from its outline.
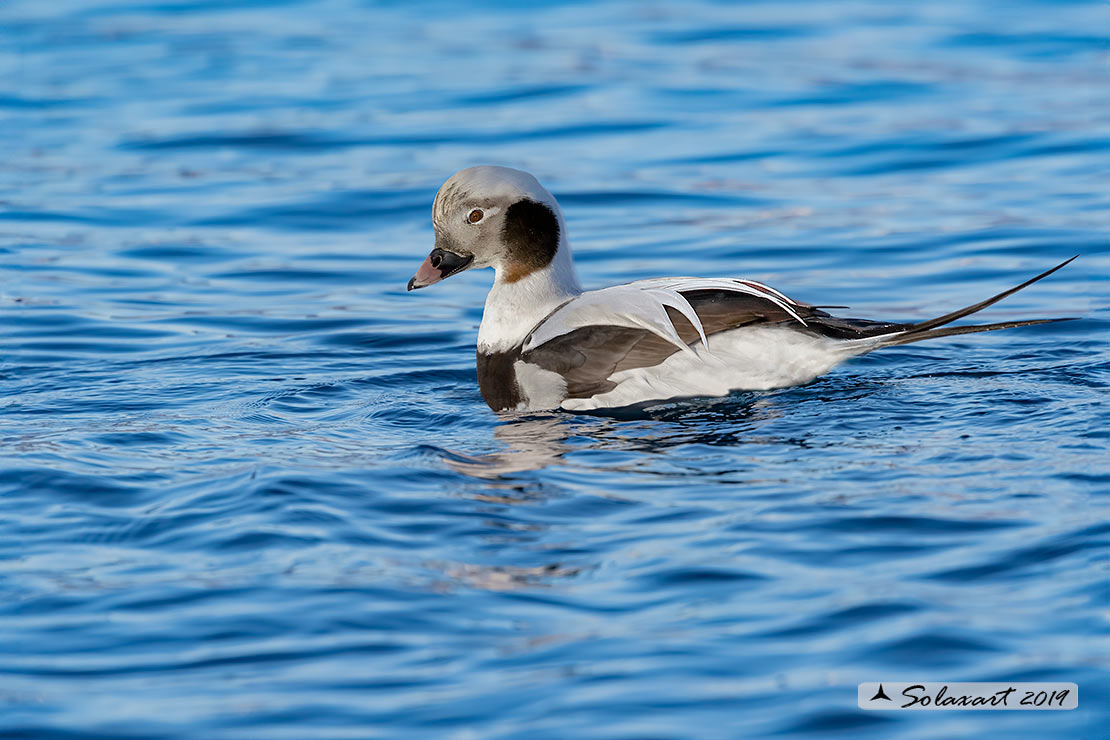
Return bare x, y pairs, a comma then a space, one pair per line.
532, 442
535, 442
506, 577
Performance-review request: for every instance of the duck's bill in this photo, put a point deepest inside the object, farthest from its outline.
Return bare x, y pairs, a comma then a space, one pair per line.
438, 265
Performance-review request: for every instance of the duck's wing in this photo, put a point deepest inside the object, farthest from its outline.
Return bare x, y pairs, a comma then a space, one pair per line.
641, 324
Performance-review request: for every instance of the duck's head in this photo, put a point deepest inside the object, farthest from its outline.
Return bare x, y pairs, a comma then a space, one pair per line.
492, 217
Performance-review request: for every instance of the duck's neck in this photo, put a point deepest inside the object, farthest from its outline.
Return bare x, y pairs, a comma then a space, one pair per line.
514, 308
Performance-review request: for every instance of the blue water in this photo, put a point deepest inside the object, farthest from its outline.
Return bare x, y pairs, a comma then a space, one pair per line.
249, 488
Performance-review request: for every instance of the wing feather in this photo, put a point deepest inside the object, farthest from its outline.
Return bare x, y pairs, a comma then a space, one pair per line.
621, 306
643, 305
641, 324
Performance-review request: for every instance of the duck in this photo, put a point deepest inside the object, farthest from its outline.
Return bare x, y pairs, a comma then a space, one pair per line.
545, 344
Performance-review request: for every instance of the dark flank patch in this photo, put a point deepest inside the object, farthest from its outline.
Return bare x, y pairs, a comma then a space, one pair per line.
531, 234
497, 379
587, 356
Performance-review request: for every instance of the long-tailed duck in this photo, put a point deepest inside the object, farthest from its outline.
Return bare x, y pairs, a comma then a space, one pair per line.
544, 344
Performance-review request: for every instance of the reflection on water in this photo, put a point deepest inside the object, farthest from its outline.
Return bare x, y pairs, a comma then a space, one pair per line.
532, 444
506, 578
536, 442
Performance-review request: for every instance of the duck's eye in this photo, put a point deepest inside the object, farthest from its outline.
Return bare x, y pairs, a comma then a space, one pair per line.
475, 216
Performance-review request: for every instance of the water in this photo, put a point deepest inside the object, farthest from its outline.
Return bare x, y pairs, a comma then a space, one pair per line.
249, 487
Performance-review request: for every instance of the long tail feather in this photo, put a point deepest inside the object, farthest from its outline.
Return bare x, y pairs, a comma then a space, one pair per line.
894, 340
948, 318
906, 334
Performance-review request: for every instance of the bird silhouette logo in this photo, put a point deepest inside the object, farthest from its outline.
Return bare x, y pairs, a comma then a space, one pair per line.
880, 694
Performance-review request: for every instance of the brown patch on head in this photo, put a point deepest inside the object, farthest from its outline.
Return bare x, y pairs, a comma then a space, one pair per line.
515, 271
531, 238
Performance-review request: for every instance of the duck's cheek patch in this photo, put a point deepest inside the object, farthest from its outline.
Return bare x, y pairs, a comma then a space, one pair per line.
531, 236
